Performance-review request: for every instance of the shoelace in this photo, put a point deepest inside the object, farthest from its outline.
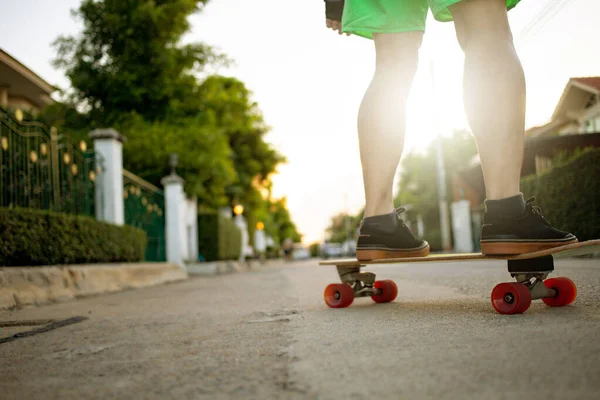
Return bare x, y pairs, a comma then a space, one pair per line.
537, 210
399, 211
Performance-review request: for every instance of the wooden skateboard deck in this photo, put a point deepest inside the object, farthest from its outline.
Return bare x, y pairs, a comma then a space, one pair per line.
530, 270
569, 250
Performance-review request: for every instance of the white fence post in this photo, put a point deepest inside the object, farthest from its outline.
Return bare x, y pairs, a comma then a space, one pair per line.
174, 215
109, 200
241, 223
461, 226
192, 229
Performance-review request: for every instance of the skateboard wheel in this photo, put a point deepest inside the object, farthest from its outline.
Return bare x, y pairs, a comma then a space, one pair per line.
389, 291
511, 298
566, 292
338, 295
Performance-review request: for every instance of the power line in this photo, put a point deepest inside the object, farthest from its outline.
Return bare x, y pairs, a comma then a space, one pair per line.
541, 19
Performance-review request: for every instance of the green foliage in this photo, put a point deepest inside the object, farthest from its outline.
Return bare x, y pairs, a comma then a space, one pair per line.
281, 225
65, 117
227, 105
129, 58
569, 193
566, 156
204, 155
230, 239
315, 250
128, 70
33, 237
418, 187
218, 237
226, 101
343, 226
434, 238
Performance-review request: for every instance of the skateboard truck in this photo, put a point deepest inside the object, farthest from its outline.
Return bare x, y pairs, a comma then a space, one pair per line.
532, 272
358, 284
361, 282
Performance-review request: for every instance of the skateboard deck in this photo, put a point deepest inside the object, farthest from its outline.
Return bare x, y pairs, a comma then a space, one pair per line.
569, 250
530, 270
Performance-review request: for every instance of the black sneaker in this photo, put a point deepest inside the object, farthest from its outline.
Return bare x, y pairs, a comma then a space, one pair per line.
387, 236
528, 233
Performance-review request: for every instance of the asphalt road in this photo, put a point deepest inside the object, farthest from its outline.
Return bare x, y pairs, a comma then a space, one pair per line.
267, 334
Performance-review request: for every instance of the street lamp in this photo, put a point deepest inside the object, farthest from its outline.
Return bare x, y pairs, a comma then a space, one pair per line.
260, 226
238, 209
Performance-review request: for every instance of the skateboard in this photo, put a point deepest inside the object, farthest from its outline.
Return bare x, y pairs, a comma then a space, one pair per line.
530, 271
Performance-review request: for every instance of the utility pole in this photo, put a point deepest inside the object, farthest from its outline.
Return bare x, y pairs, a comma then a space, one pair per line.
443, 204
347, 217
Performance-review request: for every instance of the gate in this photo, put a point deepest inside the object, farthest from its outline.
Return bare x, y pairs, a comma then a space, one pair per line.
144, 206
42, 169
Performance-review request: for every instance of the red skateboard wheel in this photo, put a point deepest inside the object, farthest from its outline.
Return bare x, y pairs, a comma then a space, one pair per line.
511, 298
389, 291
566, 292
338, 295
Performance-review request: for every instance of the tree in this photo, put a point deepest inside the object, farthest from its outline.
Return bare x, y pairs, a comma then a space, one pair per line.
226, 101
128, 70
282, 226
343, 226
203, 150
128, 59
418, 186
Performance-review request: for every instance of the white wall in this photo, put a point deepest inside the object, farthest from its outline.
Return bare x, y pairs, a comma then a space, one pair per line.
109, 196
190, 226
174, 218
461, 226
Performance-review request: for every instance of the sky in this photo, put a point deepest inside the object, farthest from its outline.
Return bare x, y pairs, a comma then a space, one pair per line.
309, 81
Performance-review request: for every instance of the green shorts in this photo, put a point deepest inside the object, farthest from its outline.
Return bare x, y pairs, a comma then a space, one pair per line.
365, 17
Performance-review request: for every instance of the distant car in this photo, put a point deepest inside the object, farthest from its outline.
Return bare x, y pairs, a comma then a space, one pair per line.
349, 248
330, 250
300, 253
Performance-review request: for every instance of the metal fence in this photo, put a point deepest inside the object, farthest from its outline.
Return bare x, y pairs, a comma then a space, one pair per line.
40, 168
145, 208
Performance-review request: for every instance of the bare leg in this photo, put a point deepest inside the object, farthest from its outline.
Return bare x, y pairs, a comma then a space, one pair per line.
494, 92
381, 118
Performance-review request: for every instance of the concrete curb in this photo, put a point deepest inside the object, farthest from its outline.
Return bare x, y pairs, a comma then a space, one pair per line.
216, 268
226, 267
23, 286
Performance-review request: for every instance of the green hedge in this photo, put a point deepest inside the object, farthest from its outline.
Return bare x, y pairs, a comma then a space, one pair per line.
30, 237
569, 194
218, 237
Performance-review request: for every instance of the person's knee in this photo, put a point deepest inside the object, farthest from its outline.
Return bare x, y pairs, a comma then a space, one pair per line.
481, 24
397, 55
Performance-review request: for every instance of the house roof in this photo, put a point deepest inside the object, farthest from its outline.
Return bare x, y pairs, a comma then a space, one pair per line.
589, 84
592, 82
575, 95
22, 81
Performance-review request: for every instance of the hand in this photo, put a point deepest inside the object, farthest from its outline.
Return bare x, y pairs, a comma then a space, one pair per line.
335, 25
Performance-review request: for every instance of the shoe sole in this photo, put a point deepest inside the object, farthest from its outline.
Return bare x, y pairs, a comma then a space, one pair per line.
495, 248
369, 255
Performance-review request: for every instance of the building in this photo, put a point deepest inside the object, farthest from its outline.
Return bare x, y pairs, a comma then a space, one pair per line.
577, 111
575, 123
21, 88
